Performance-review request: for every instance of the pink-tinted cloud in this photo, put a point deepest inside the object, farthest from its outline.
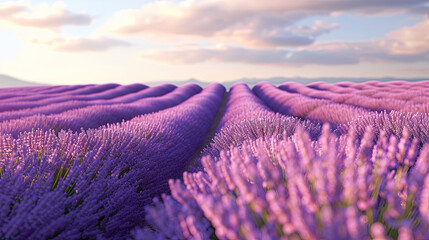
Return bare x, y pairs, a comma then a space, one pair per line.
44, 16
93, 44
407, 45
262, 35
410, 40
11, 8
251, 23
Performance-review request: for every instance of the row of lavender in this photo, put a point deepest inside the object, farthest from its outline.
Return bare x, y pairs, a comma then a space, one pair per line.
56, 182
151, 100
270, 173
243, 186
296, 188
318, 99
400, 105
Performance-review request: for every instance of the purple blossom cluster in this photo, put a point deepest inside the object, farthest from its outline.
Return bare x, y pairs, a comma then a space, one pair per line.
375, 96
114, 94
95, 183
242, 104
392, 122
317, 161
296, 104
269, 178
98, 115
387, 106
57, 105
79, 90
332, 188
26, 100
246, 117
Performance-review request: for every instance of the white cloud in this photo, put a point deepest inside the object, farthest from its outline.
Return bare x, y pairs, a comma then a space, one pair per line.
43, 15
407, 45
251, 23
410, 40
54, 17
90, 44
10, 8
262, 35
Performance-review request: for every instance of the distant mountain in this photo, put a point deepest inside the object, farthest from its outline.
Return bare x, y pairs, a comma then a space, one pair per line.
178, 82
8, 82
279, 80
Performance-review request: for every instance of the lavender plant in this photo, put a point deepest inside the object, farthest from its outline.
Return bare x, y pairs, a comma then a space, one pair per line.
90, 89
91, 164
390, 122
77, 103
388, 97
416, 108
246, 117
335, 114
63, 89
37, 100
292, 104
242, 104
98, 115
279, 127
333, 188
6, 93
298, 105
95, 184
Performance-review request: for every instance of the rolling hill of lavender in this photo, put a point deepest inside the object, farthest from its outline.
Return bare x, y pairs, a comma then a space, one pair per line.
290, 161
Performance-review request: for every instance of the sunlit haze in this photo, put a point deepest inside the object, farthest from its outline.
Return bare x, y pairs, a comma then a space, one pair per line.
127, 41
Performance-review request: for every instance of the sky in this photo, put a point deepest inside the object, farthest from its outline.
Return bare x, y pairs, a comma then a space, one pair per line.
127, 41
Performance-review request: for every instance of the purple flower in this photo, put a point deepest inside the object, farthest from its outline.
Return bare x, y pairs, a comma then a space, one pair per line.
334, 188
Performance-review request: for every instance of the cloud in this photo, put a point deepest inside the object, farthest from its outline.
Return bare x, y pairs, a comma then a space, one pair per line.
250, 23
265, 35
353, 54
11, 8
92, 44
43, 15
407, 45
410, 40
377, 50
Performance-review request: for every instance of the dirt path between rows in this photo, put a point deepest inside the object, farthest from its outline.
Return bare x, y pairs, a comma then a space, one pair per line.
210, 134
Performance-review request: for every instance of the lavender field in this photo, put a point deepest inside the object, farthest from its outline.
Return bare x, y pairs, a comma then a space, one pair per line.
291, 161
